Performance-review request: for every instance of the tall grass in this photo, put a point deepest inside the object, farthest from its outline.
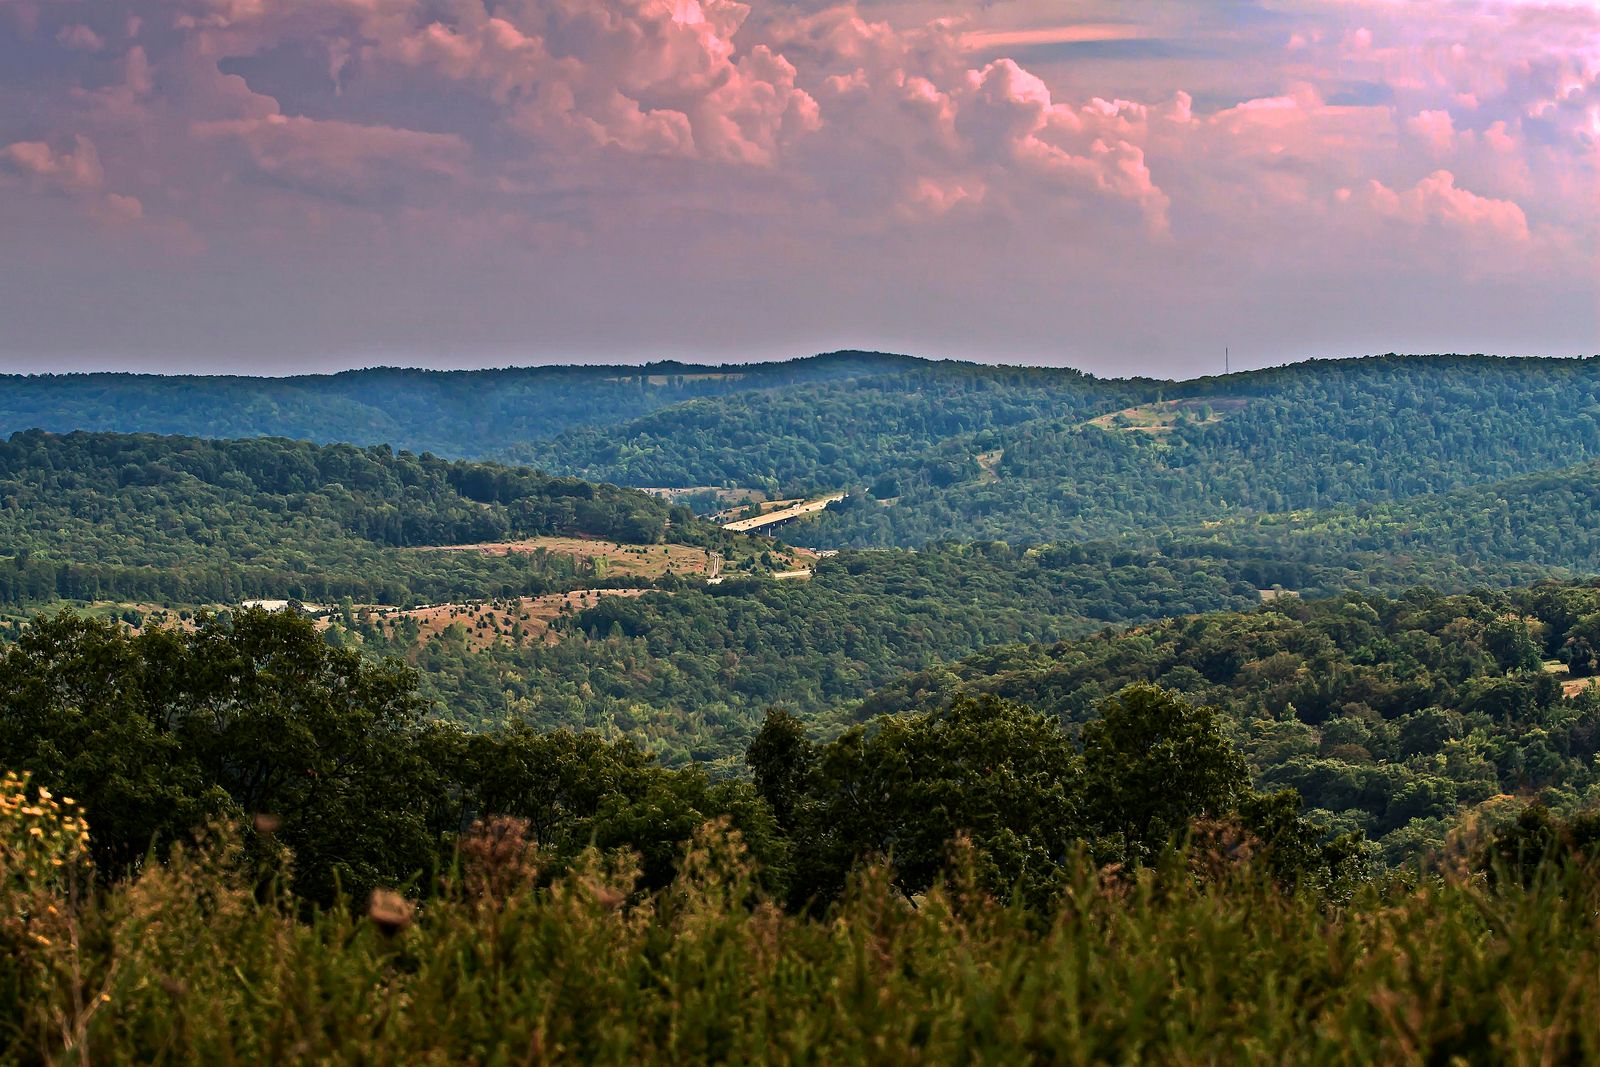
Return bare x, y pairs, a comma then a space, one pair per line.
195, 962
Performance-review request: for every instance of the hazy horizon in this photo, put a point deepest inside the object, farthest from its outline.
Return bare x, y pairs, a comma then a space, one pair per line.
1197, 372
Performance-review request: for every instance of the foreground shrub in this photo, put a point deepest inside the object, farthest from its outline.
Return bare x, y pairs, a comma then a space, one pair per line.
1189, 959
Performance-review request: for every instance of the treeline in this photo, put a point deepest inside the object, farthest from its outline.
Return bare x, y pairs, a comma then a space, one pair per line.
112, 516
467, 414
1503, 533
321, 577
253, 716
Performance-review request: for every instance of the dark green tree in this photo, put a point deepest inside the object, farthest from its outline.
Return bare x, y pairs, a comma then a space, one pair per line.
1000, 774
781, 759
1152, 764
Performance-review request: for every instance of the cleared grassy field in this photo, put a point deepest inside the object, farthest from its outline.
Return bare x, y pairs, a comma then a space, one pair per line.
613, 559
520, 621
1162, 416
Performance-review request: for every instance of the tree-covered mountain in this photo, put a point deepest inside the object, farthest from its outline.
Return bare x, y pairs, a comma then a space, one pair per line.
689, 671
468, 414
1515, 530
927, 450
884, 431
968, 452
690, 668
1308, 436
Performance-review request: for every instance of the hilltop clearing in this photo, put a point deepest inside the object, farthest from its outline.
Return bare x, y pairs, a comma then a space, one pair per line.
786, 511
477, 625
1166, 415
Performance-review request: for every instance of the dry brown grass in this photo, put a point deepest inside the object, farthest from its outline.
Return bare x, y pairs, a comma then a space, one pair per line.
629, 561
518, 620
1162, 416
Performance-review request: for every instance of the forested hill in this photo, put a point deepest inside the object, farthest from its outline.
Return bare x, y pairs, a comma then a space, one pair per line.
113, 516
926, 450
889, 430
1303, 437
959, 451
467, 414
1392, 716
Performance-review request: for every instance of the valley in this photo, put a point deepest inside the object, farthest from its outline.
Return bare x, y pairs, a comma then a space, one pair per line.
639, 611
1368, 584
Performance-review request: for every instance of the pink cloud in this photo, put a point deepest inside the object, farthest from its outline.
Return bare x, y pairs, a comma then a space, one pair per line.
941, 198
81, 38
1435, 128
75, 173
648, 76
1437, 200
73, 170
800, 135
1033, 36
333, 156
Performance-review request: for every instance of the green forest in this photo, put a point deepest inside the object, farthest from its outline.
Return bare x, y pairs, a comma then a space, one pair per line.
688, 671
893, 427
459, 414
1101, 717
172, 519
1310, 436
972, 880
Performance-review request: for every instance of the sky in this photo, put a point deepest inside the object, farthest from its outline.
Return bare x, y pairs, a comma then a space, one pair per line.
276, 186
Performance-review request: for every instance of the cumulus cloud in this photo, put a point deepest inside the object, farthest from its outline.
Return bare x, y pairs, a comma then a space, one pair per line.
1437, 200
333, 156
766, 143
1436, 128
74, 172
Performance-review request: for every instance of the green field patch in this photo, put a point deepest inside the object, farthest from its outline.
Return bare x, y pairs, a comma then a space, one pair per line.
1164, 415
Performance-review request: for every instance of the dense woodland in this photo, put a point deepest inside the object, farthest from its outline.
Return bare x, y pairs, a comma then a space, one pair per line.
1389, 715
253, 714
977, 873
688, 671
1305, 437
883, 430
172, 519
929, 450
1141, 712
458, 414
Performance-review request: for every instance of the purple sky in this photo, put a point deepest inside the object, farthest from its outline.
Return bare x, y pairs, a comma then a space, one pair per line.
282, 185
